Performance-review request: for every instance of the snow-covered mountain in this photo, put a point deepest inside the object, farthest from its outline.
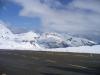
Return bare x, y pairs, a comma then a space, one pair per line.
8, 40
77, 41
31, 40
52, 40
26, 37
29, 37
55, 40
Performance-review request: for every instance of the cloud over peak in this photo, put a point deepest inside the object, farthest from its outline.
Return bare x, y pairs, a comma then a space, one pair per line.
63, 15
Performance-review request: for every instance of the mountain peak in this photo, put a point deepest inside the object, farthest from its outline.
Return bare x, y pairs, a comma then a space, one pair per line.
4, 31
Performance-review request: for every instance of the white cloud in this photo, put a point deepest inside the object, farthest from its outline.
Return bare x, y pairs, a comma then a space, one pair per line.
79, 15
93, 5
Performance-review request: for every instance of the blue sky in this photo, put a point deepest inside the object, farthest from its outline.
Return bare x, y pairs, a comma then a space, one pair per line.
9, 14
76, 16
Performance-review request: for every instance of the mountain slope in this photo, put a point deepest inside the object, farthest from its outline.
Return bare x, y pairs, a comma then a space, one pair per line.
55, 40
77, 41
8, 40
5, 33
29, 36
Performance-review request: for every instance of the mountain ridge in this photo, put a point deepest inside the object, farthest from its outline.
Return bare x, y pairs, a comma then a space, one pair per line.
44, 40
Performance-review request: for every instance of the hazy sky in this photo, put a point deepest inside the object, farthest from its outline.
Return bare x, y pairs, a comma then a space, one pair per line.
78, 16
